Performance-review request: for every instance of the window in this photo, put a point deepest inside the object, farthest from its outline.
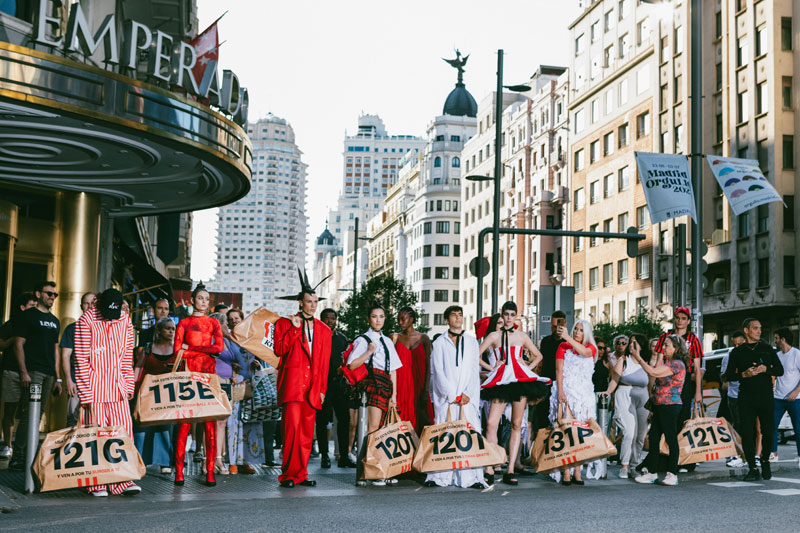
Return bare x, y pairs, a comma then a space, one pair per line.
608, 143
622, 271
455, 162
786, 33
642, 31
438, 320
763, 272
608, 20
643, 125
442, 273
718, 69
455, 138
623, 178
788, 213
720, 128
455, 296
788, 151
594, 110
762, 220
456, 250
744, 224
643, 266
579, 199
442, 250
623, 135
788, 271
594, 192
426, 273
678, 138
643, 79
608, 186
457, 272
743, 111
443, 227
577, 282
608, 275
593, 278
744, 276
577, 244
787, 92
593, 240
762, 98
427, 228
623, 8
425, 296
623, 92
426, 250
579, 42
761, 40
622, 222
623, 43
593, 31
742, 52
665, 50
642, 218
607, 223
677, 89
437, 162
594, 151
579, 121
609, 101
664, 96
679, 39
579, 160
440, 295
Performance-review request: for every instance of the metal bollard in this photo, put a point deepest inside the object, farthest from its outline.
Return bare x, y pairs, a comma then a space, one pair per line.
603, 403
34, 407
361, 440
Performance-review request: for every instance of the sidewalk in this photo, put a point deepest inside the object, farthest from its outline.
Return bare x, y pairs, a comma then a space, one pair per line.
157, 487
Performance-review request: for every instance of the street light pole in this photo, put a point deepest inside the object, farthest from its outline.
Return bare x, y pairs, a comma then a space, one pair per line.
498, 168
355, 258
697, 158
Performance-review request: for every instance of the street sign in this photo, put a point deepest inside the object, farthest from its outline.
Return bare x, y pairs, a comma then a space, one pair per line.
479, 267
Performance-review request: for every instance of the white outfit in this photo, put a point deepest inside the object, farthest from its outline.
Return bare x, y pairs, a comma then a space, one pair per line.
785, 384
378, 356
453, 373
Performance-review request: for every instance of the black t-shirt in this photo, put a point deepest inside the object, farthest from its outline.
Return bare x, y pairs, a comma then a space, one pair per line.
146, 338
338, 346
601, 376
747, 356
9, 357
40, 331
68, 341
549, 347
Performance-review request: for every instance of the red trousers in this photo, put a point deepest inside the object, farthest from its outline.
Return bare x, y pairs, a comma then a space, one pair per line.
110, 414
298, 437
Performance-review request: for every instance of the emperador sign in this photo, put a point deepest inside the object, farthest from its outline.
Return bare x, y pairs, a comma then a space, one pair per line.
166, 60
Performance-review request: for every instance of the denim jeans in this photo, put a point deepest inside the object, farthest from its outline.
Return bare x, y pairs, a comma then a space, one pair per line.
781, 406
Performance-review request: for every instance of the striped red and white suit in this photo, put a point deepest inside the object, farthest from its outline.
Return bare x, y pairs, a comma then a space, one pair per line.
104, 373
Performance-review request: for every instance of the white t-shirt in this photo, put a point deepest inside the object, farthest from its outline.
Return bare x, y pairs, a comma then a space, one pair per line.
786, 383
378, 357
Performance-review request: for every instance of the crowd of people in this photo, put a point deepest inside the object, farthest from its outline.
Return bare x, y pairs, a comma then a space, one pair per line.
498, 379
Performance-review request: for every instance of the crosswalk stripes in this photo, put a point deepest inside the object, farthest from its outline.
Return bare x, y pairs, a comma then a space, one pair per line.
773, 492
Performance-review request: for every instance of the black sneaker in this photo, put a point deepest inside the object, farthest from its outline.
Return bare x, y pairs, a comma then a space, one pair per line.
326, 461
766, 470
753, 475
16, 465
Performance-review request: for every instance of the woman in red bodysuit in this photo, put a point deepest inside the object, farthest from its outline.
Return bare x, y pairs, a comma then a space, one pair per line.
198, 338
419, 347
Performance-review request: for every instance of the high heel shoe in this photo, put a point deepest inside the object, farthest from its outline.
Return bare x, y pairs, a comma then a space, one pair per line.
219, 467
509, 479
578, 482
566, 482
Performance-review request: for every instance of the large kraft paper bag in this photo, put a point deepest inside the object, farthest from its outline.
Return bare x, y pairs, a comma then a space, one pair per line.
181, 397
255, 334
390, 450
85, 456
455, 445
704, 438
570, 443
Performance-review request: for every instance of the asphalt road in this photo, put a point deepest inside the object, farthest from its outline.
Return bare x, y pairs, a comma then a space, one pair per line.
537, 504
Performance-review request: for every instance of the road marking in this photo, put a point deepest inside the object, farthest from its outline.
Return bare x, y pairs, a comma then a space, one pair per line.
736, 484
787, 480
504, 493
782, 492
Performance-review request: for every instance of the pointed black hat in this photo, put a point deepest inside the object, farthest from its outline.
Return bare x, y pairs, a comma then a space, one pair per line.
305, 287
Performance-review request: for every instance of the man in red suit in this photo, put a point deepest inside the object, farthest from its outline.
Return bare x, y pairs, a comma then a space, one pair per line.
303, 344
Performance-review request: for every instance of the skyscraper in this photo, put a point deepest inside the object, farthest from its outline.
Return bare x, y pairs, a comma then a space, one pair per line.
262, 237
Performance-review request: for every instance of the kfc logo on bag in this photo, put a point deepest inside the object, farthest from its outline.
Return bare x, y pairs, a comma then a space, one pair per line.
576, 423
470, 426
716, 422
403, 427
198, 377
268, 336
107, 433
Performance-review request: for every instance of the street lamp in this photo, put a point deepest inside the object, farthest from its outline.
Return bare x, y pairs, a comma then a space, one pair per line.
498, 170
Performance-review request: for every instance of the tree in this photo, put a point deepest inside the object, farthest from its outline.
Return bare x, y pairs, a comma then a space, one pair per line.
648, 324
391, 293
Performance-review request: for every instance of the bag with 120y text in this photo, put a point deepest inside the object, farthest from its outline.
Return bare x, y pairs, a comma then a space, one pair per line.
390, 449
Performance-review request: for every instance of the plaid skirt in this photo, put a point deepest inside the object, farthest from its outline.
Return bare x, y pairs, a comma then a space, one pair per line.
378, 386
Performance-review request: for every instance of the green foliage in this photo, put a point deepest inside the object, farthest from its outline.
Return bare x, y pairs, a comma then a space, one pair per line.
648, 324
392, 293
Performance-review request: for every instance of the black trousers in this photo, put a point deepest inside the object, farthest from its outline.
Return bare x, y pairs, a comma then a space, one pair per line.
762, 407
336, 404
664, 422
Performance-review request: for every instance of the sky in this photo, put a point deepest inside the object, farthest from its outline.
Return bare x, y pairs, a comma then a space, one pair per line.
321, 64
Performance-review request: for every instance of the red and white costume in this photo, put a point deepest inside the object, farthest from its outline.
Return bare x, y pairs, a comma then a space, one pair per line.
513, 379
104, 374
302, 379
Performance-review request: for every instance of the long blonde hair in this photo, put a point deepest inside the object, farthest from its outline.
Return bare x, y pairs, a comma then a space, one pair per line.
588, 334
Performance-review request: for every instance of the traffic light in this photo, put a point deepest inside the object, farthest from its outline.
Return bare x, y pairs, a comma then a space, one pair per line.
633, 244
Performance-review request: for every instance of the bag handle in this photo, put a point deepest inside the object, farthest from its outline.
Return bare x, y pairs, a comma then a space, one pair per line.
178, 361
698, 411
81, 425
566, 410
449, 415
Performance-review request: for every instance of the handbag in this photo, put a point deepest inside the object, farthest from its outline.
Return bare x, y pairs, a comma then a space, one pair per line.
353, 376
263, 405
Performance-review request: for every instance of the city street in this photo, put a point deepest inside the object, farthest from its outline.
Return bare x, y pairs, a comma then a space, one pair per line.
706, 500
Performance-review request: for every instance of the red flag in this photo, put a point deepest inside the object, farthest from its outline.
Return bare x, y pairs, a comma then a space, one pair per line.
206, 47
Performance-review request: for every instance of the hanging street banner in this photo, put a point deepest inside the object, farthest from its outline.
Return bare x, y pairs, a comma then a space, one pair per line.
742, 182
667, 185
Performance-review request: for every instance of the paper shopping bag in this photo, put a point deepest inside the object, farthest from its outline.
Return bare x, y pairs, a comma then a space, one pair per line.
455, 445
390, 449
85, 456
181, 397
704, 438
255, 334
570, 443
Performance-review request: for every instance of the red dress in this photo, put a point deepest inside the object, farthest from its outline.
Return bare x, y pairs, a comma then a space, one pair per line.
423, 400
406, 393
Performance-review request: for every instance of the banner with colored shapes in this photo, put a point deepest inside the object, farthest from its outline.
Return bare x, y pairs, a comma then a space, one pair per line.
667, 185
742, 182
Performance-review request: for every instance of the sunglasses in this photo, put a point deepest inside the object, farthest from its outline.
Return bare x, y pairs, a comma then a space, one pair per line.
51, 294
621, 343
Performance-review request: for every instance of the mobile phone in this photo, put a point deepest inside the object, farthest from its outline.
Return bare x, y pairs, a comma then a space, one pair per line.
561, 322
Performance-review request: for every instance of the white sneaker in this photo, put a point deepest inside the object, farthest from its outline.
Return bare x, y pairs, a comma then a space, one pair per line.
6, 451
392, 481
670, 479
683, 470
100, 494
352, 457
646, 478
379, 483
758, 462
735, 462
133, 490
773, 457
623, 473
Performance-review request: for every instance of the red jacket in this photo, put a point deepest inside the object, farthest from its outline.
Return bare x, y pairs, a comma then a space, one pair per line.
302, 375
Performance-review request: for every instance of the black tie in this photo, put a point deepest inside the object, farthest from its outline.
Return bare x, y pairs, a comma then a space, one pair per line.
307, 328
459, 343
386, 363
504, 343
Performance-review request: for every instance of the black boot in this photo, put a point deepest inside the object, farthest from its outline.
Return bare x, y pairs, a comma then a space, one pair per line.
326, 461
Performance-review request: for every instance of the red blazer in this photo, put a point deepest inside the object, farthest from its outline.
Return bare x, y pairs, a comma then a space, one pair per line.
301, 375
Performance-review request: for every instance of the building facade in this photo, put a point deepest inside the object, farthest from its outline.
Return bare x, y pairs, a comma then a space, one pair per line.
262, 237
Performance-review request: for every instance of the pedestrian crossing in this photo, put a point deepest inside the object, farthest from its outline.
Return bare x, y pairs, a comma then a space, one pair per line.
782, 491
